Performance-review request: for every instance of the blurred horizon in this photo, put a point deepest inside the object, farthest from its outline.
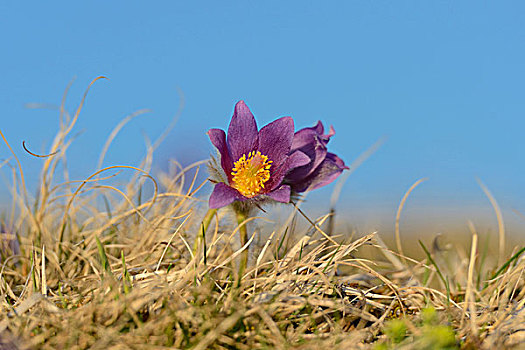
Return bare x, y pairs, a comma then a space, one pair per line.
440, 82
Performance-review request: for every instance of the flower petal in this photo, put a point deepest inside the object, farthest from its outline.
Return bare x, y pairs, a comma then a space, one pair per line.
294, 160
223, 195
282, 194
309, 141
325, 173
304, 136
338, 161
218, 139
319, 127
275, 140
242, 132
330, 133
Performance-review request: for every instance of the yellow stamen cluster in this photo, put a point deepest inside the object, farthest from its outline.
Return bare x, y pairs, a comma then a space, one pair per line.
250, 174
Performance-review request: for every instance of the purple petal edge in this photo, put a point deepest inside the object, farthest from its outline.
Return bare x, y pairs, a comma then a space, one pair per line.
218, 139
243, 136
281, 194
224, 195
327, 172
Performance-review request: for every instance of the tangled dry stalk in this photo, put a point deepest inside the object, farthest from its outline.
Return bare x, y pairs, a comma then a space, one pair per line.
94, 264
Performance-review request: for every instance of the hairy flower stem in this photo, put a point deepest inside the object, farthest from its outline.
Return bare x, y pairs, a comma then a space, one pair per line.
243, 232
203, 228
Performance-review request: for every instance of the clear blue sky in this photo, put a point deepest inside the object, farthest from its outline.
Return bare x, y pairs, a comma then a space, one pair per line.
443, 80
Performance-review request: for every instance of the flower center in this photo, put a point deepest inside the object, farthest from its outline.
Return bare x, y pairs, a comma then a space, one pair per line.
250, 174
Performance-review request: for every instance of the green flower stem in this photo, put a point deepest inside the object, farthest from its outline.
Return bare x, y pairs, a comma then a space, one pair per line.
203, 228
243, 232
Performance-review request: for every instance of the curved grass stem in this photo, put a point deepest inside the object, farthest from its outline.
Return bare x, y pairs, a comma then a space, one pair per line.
204, 227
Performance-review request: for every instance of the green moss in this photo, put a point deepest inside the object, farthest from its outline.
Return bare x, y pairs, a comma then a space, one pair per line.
431, 333
396, 330
429, 316
438, 337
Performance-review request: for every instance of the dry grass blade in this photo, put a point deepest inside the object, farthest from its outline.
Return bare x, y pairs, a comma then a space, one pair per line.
499, 216
37, 155
214, 334
169, 242
469, 293
398, 216
44, 278
114, 133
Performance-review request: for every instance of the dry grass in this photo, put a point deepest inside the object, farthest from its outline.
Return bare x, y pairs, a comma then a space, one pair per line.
101, 266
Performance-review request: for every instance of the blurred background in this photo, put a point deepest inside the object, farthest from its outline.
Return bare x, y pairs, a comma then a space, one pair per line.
441, 83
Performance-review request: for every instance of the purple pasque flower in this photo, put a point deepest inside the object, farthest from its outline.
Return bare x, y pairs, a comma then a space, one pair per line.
323, 166
254, 161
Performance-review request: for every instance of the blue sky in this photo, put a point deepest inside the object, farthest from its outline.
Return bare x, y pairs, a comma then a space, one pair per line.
442, 80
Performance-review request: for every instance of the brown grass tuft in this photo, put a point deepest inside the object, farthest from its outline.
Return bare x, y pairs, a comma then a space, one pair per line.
108, 262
